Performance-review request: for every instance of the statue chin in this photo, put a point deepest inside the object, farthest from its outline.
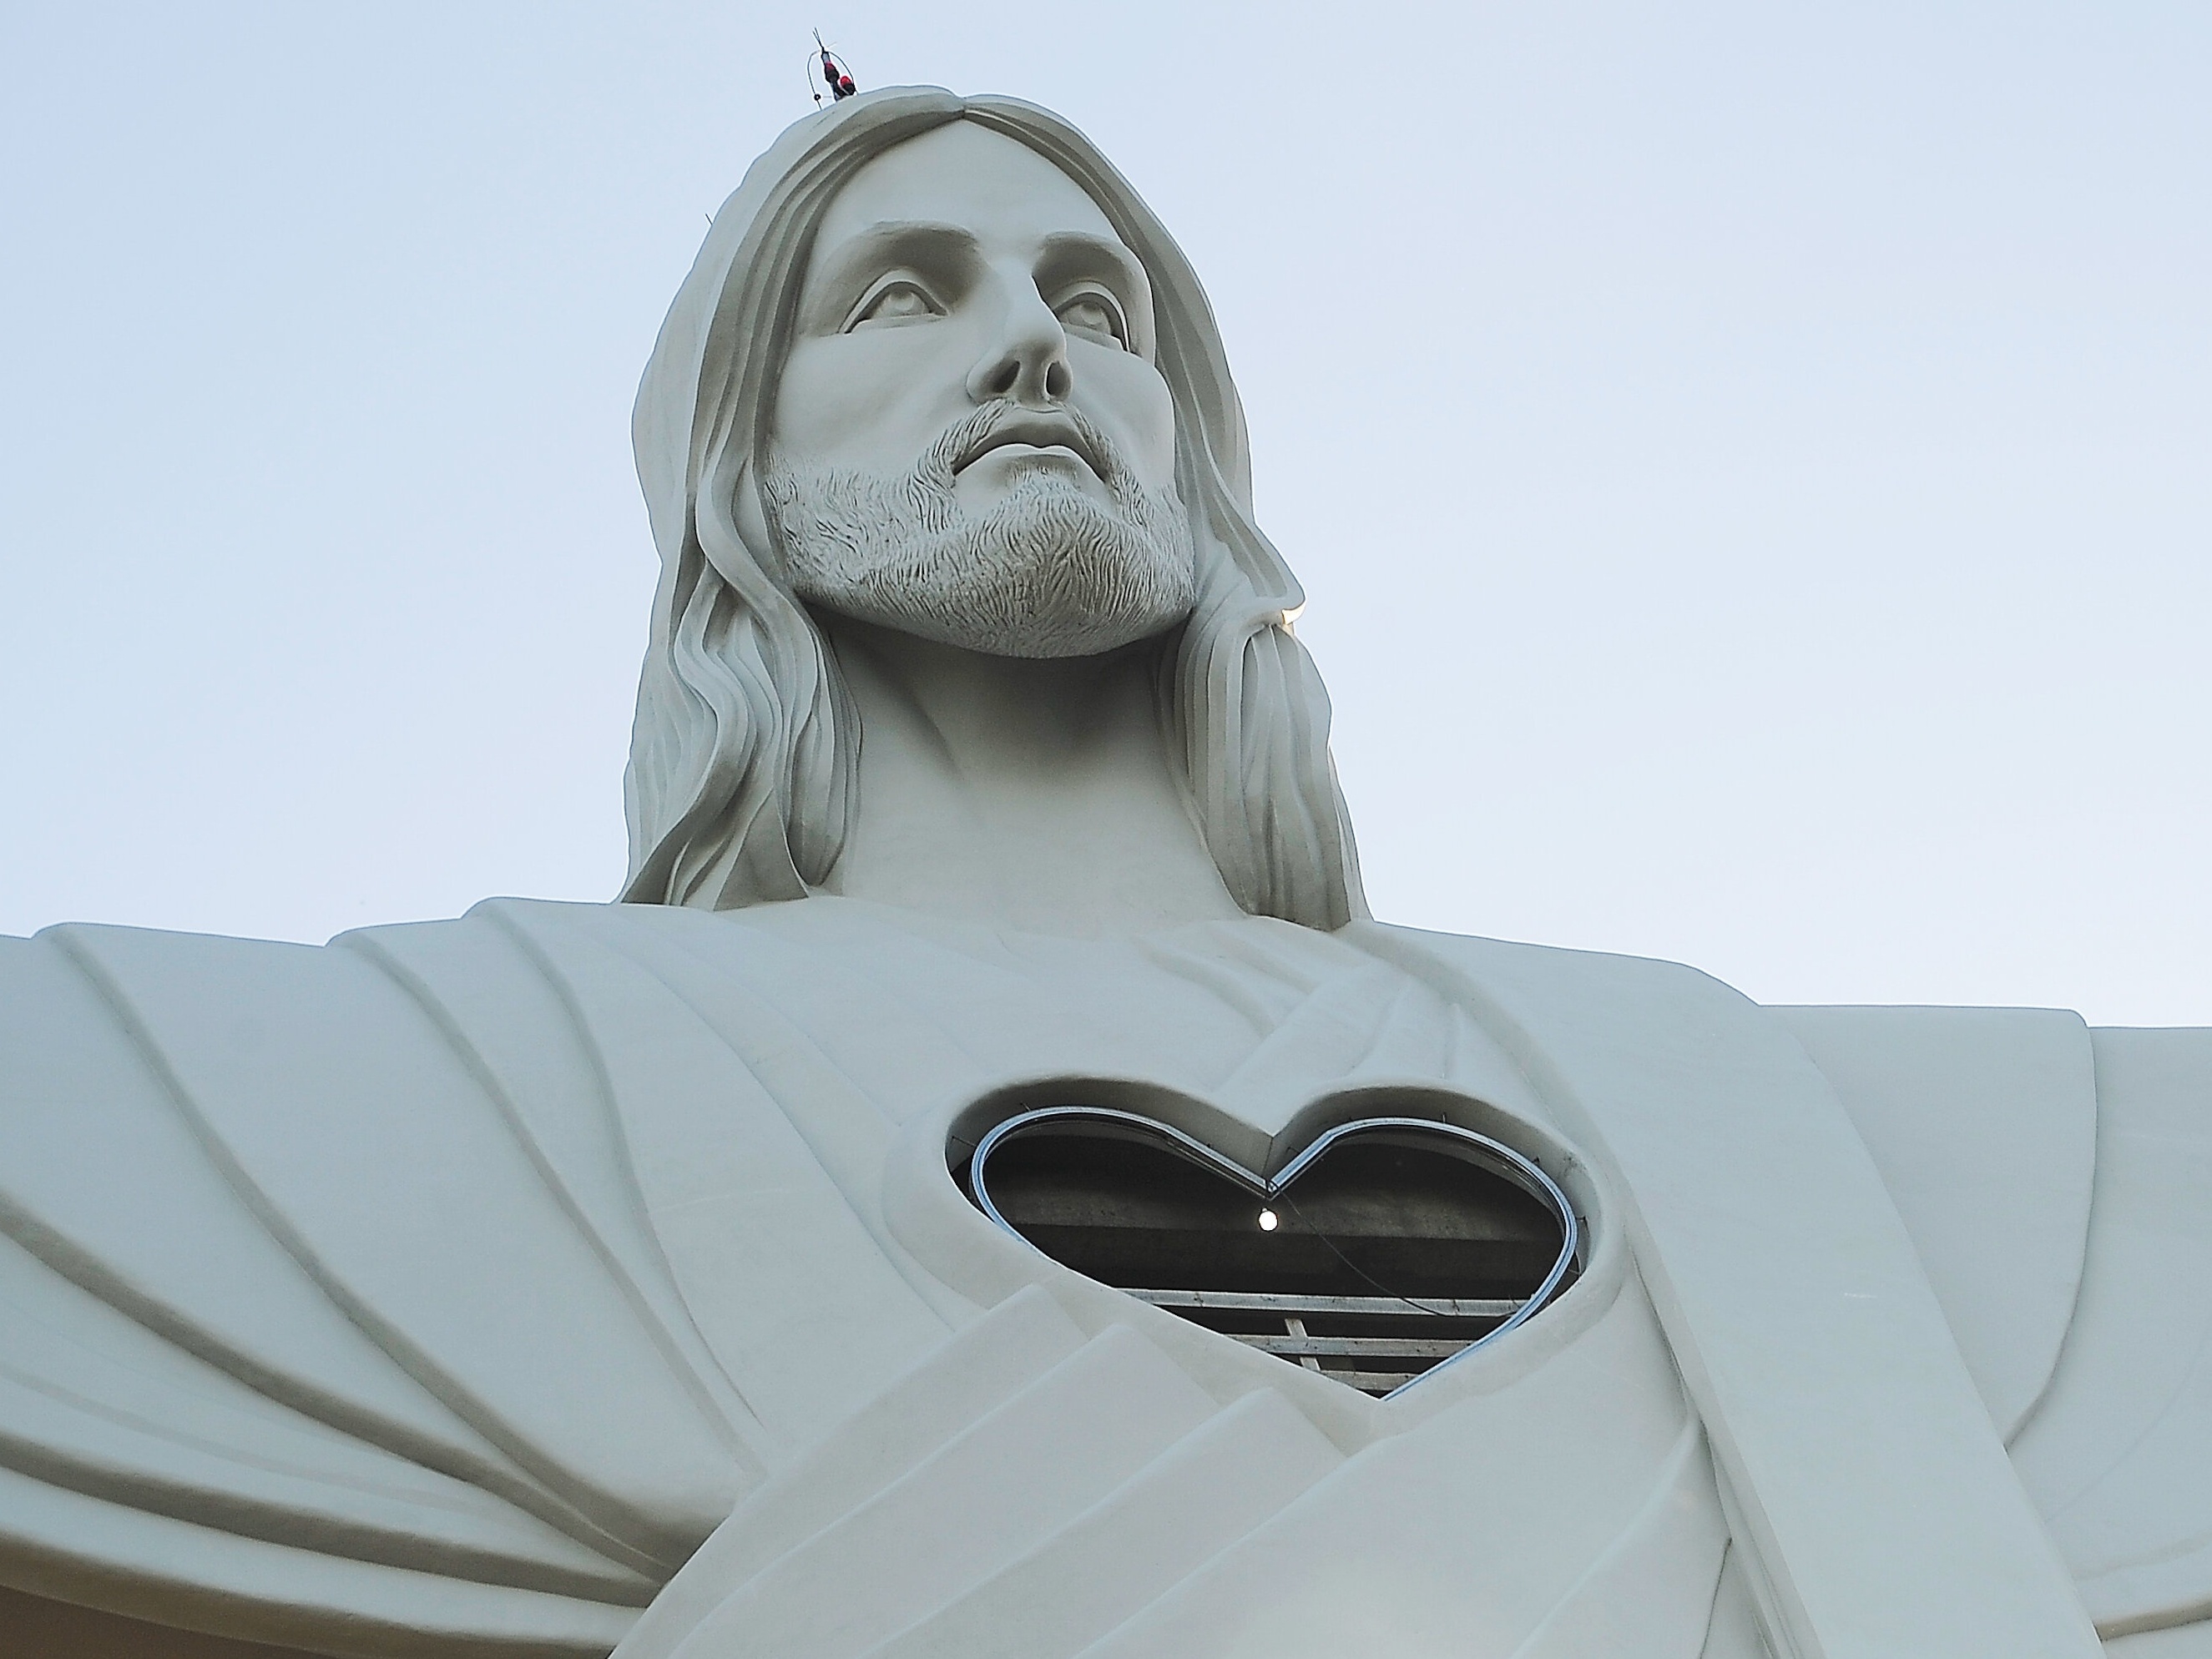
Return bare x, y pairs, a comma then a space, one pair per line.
1047, 572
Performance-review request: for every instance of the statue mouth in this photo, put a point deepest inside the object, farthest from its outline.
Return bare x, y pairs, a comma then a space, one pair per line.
1038, 431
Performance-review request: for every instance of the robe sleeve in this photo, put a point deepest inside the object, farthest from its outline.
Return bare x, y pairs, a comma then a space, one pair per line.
1983, 1123
2119, 1453
2057, 1182
305, 1338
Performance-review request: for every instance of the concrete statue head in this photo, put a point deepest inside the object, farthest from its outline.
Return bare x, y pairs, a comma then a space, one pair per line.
971, 441
938, 370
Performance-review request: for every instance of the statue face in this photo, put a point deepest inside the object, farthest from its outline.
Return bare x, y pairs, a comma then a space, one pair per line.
971, 441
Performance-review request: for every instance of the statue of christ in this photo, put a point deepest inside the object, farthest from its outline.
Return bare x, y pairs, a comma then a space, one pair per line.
575, 1279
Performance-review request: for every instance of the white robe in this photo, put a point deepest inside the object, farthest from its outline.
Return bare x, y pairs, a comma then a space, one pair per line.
447, 1289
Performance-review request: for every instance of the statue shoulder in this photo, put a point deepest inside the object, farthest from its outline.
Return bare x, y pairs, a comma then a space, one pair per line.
84, 982
301, 1211
1983, 1124
247, 1036
79, 1003
1980, 1122
2118, 1450
2053, 1181
2056, 1179
1789, 1267
1615, 991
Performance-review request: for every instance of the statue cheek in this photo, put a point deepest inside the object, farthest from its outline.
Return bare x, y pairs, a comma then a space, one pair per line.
876, 399
1150, 434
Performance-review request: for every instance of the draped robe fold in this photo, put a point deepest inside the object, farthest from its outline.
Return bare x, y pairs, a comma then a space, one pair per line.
568, 1276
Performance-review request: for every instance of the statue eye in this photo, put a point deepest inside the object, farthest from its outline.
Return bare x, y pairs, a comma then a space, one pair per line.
895, 302
1095, 316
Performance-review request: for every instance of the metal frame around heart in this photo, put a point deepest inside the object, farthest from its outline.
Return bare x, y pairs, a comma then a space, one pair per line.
1479, 1149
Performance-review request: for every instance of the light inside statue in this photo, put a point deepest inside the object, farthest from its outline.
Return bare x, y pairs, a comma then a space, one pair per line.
1268, 1221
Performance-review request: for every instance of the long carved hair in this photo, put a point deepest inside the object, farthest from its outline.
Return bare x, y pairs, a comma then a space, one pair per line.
742, 773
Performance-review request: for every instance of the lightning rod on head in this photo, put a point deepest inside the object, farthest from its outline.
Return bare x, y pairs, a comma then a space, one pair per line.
834, 75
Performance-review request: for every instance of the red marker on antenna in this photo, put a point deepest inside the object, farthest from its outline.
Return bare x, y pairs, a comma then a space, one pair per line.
834, 75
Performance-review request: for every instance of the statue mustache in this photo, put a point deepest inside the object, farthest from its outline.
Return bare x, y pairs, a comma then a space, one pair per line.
1002, 421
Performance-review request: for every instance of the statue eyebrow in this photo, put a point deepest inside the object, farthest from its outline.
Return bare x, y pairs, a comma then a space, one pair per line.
1077, 254
1076, 248
922, 240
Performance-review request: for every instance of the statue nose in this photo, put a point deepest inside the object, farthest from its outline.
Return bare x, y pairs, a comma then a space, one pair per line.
1028, 362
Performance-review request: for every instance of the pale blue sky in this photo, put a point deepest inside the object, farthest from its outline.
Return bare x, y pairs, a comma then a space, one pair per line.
1751, 464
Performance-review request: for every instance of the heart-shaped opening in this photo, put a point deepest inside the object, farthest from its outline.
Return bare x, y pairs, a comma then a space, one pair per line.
1387, 1248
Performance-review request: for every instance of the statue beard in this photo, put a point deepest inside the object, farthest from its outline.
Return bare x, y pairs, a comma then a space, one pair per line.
1049, 571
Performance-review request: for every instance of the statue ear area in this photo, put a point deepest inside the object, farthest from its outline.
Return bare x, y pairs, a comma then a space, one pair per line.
1387, 1249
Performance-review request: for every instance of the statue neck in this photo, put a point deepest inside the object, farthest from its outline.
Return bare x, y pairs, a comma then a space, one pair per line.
1035, 795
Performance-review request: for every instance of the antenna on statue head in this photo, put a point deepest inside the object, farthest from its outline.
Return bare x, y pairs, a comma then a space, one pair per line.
834, 75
